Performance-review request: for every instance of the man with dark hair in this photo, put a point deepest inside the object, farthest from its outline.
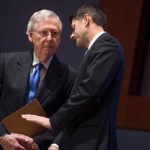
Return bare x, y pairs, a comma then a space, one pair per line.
89, 116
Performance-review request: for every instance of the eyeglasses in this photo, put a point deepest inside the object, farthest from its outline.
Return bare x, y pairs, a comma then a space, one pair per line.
45, 33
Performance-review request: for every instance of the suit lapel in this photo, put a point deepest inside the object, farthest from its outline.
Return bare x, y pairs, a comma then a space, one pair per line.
23, 65
51, 79
81, 71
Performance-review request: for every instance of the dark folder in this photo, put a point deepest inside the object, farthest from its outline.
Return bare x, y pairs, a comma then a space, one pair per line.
15, 124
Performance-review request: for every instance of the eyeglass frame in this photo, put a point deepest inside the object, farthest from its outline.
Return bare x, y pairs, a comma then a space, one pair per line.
44, 33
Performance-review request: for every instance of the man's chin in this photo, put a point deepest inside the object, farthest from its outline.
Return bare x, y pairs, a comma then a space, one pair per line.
79, 45
45, 57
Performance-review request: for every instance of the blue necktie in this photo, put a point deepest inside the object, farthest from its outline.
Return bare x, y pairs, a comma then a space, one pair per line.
34, 82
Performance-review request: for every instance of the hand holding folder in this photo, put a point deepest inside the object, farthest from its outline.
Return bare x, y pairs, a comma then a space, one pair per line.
15, 124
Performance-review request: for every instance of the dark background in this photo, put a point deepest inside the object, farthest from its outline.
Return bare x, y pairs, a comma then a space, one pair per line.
14, 16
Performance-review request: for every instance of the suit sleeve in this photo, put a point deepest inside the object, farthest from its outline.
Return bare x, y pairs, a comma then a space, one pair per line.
101, 64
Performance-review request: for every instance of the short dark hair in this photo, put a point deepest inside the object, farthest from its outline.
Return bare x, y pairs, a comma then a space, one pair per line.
93, 10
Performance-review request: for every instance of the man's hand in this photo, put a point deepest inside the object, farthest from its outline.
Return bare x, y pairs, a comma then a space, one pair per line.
26, 141
43, 121
16, 141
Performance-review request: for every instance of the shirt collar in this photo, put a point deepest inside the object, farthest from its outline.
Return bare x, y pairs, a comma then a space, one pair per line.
36, 61
95, 38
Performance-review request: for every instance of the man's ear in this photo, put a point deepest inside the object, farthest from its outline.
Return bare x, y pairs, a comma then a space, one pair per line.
86, 19
29, 34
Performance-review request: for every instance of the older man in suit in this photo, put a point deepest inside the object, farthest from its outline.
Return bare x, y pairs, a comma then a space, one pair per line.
88, 118
44, 32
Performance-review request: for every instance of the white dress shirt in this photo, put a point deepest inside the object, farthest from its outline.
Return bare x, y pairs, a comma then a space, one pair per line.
43, 70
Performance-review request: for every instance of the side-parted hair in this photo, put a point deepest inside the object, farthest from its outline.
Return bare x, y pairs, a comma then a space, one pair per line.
93, 10
40, 15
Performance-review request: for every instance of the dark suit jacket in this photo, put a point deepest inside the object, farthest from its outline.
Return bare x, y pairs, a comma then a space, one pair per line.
14, 74
89, 114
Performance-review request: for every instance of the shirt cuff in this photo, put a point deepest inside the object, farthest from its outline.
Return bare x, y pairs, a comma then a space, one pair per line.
55, 145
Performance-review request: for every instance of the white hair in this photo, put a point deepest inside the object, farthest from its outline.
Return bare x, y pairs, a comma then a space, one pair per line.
39, 15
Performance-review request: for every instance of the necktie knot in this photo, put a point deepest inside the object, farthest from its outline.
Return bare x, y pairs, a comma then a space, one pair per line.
39, 66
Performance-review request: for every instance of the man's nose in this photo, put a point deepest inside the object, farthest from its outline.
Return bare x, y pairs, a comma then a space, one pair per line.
49, 36
72, 36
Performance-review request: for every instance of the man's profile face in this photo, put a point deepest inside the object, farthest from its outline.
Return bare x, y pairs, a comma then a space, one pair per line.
78, 32
45, 38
